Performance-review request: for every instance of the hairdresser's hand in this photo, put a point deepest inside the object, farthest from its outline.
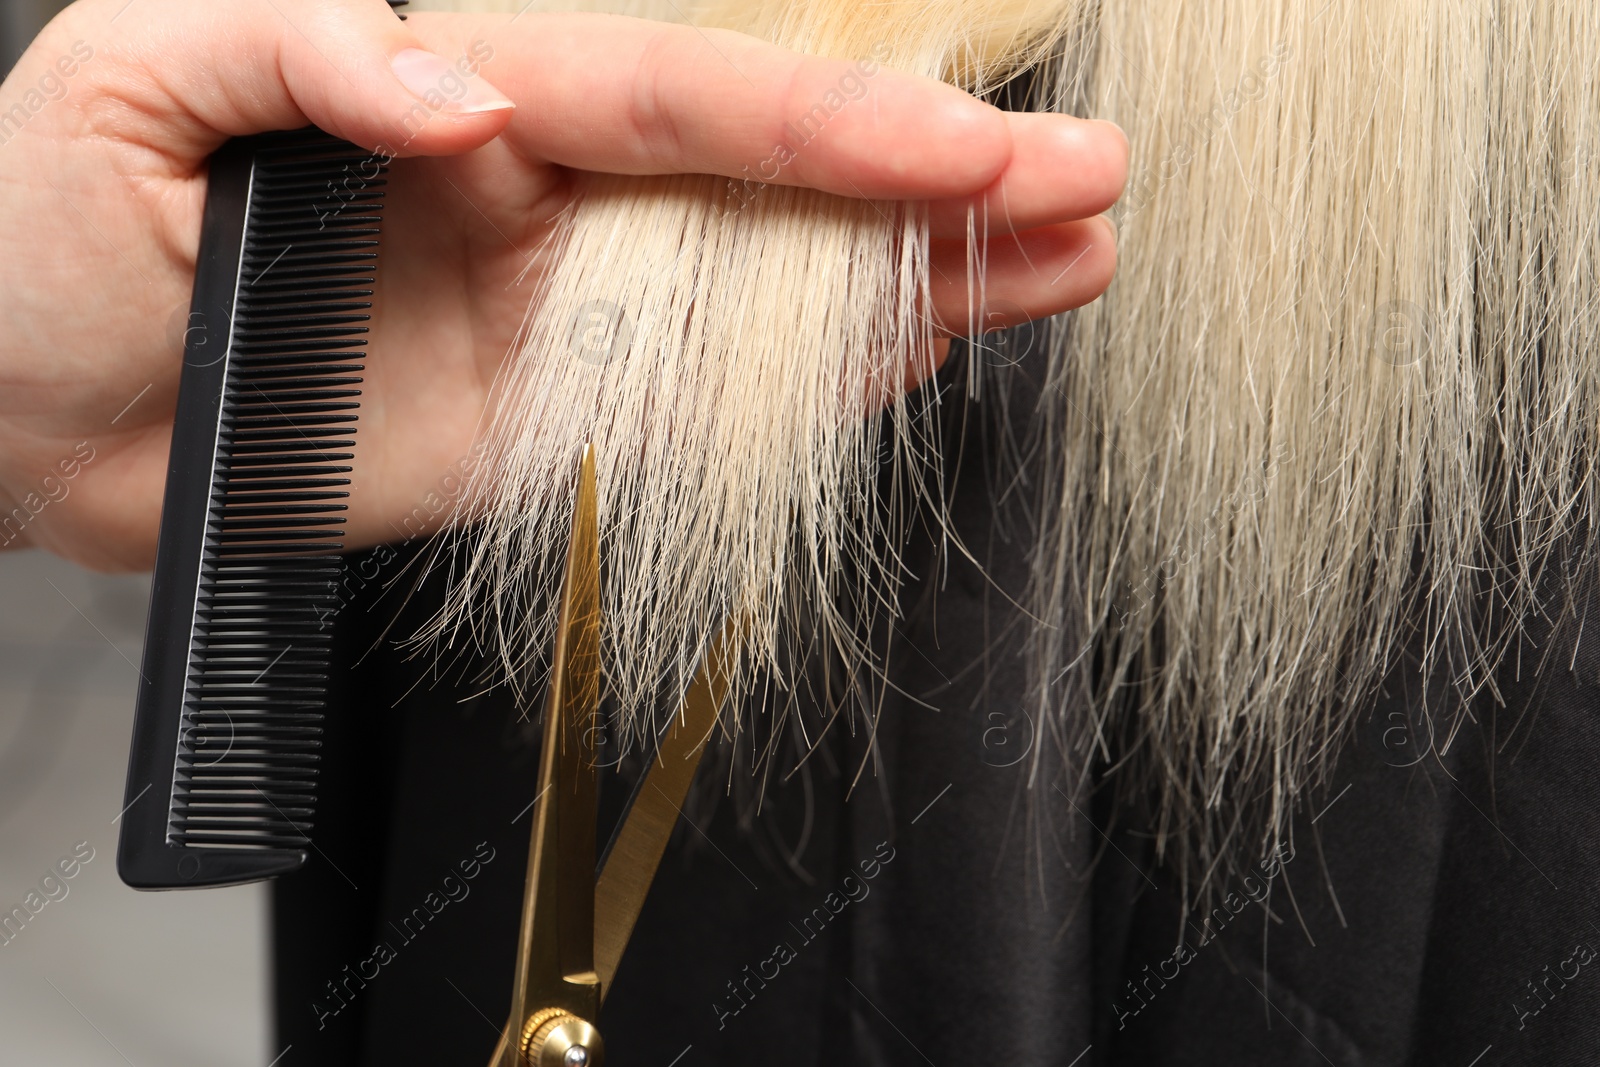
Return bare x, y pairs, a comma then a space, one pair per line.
107, 122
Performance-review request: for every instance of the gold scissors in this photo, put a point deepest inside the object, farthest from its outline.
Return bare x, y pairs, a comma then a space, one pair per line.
576, 924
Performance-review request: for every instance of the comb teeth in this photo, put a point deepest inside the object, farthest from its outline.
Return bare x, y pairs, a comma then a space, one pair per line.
253, 705
228, 730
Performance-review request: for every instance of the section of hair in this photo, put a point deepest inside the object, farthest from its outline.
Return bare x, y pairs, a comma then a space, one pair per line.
1342, 388
726, 345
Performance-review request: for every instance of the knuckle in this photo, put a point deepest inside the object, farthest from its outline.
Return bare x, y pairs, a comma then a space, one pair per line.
651, 114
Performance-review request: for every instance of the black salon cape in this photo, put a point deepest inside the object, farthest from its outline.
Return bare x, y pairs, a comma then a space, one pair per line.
1437, 908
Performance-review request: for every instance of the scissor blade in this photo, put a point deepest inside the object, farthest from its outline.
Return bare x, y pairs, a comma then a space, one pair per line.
636, 848
578, 664
555, 953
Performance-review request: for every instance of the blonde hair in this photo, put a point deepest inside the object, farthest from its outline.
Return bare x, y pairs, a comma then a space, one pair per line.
726, 346
1340, 395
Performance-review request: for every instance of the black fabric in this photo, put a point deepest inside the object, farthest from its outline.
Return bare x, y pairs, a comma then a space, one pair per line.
1444, 903
1439, 905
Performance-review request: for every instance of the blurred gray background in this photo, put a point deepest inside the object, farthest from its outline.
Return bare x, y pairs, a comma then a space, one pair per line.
102, 975
19, 21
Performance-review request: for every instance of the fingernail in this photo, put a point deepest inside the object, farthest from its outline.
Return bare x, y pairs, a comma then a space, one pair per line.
1110, 226
1122, 133
437, 82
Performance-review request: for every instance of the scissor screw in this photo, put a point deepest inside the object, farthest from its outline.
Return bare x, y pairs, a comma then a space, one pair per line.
557, 1038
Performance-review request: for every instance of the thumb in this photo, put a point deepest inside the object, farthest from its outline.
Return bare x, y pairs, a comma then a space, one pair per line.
228, 68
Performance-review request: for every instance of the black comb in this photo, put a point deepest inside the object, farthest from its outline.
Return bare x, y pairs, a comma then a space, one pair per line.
223, 769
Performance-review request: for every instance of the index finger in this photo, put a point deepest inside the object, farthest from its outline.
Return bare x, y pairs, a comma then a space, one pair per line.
629, 96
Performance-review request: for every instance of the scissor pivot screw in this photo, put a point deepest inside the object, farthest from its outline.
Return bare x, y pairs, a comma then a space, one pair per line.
557, 1038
